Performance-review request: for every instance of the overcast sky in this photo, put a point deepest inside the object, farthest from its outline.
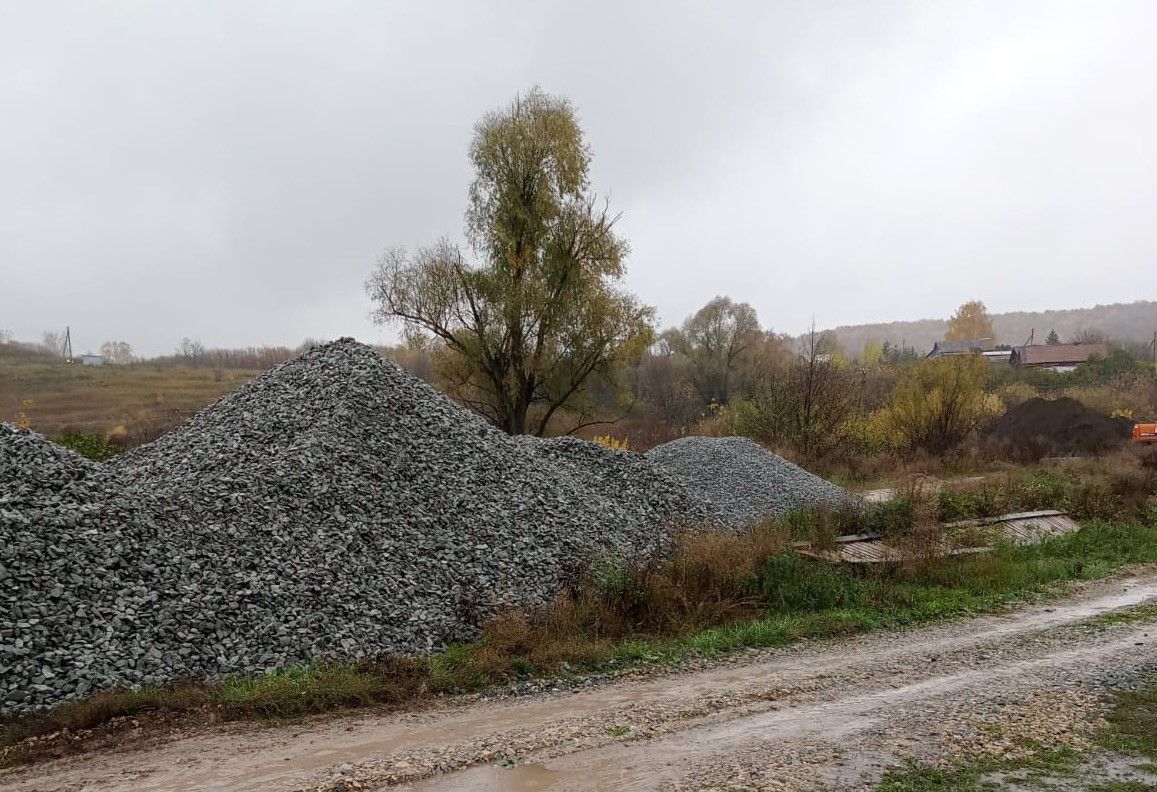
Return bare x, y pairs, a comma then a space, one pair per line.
230, 171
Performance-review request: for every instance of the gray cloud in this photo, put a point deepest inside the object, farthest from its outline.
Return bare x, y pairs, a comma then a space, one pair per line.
230, 171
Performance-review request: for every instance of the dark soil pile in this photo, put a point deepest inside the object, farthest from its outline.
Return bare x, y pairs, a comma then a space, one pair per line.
1057, 427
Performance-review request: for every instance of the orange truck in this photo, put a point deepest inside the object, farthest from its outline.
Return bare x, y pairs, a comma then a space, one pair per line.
1145, 433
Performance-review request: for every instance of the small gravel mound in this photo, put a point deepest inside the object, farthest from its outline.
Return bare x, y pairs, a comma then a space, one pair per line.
335, 507
742, 481
35, 469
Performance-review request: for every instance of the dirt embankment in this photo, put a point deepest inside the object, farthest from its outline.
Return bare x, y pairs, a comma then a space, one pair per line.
828, 715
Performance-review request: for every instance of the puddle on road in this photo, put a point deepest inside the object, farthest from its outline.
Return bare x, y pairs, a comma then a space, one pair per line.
532, 777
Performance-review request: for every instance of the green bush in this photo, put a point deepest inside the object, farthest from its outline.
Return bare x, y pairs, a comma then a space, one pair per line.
890, 517
92, 446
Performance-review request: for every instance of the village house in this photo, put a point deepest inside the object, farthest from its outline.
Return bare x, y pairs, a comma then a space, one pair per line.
1057, 357
973, 346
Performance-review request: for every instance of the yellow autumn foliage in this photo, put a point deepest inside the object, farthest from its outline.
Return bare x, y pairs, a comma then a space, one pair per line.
612, 442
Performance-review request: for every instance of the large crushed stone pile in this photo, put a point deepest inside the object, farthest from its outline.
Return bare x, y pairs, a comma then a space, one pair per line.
334, 507
1057, 427
744, 482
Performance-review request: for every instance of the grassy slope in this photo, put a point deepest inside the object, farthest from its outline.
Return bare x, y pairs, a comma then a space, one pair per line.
59, 399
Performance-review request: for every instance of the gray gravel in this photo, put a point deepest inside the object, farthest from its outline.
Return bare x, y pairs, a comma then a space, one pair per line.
335, 507
744, 482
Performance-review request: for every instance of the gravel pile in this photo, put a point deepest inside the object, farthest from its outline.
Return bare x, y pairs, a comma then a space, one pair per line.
334, 507
33, 470
743, 482
631, 476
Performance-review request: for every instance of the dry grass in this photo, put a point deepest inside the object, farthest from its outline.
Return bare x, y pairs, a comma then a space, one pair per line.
706, 581
144, 400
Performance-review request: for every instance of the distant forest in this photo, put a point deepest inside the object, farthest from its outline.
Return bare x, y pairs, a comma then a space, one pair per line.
1130, 323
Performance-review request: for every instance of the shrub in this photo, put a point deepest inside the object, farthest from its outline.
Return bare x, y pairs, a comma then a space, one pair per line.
871, 433
937, 403
1016, 393
92, 446
1130, 395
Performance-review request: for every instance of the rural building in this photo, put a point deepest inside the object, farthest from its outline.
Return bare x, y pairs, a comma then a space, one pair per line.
92, 360
1058, 357
1001, 356
973, 346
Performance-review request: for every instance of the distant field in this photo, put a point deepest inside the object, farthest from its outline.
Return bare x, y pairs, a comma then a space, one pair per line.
143, 398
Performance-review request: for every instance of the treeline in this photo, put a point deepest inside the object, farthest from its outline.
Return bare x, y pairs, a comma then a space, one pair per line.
1129, 324
18, 352
190, 353
721, 372
193, 354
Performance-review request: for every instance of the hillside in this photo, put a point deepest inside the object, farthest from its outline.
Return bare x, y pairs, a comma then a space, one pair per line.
146, 399
1130, 322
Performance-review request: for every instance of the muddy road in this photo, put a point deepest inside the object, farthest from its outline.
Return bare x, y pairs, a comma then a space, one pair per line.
818, 715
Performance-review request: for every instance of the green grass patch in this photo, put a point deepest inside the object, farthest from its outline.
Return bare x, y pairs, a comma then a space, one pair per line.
919, 777
1145, 613
1035, 771
1133, 723
1132, 733
93, 446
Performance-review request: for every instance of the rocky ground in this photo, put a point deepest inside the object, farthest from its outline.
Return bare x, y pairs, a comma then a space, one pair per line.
825, 715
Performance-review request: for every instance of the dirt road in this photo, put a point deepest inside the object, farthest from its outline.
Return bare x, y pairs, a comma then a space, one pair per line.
820, 715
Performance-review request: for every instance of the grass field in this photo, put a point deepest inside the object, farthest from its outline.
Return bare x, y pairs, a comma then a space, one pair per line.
144, 399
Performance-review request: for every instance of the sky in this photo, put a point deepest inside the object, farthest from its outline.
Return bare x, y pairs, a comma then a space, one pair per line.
230, 171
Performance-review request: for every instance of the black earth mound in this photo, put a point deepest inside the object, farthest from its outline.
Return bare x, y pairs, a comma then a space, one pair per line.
1057, 427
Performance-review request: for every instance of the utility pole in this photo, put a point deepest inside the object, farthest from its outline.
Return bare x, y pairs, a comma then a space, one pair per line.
66, 347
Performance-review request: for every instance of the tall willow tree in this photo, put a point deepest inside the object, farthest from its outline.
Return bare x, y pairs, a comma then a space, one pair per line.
720, 342
538, 318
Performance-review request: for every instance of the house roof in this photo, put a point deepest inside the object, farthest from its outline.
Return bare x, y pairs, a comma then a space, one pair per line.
1058, 354
960, 347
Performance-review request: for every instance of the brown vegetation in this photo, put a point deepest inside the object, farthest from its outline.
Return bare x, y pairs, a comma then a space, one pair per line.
128, 404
